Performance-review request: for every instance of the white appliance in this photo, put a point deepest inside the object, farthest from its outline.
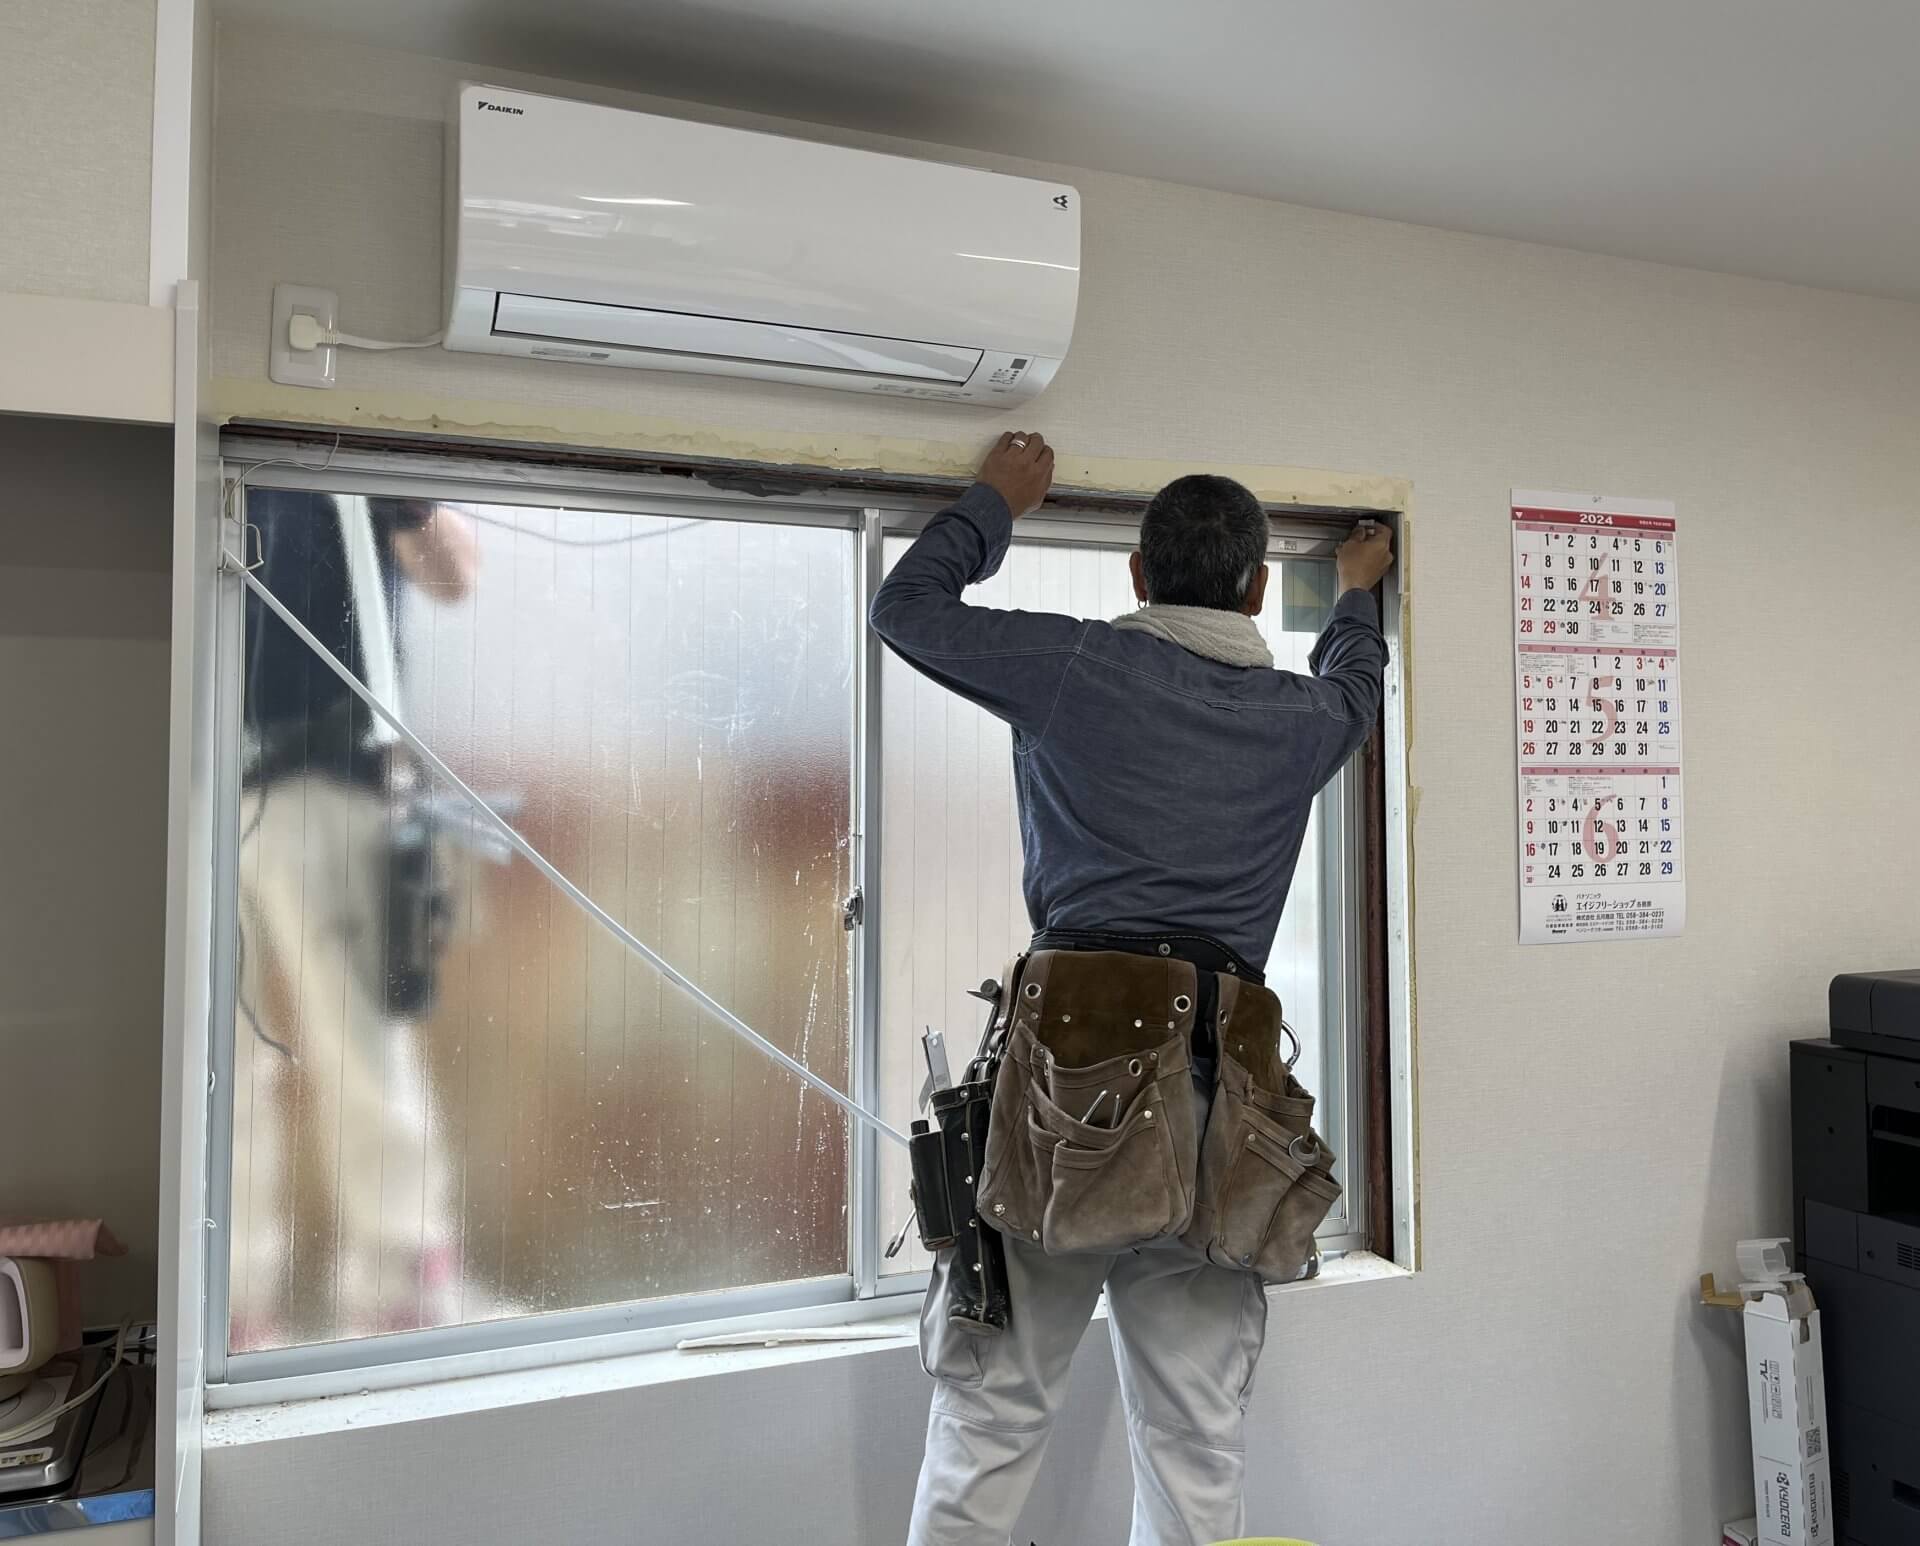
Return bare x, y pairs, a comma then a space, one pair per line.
44, 1428
40, 1436
29, 1319
578, 232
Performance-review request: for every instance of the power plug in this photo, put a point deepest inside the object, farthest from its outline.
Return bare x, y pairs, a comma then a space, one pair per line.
301, 316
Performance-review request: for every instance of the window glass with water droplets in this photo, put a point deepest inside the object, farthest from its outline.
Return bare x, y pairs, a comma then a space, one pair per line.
456, 1098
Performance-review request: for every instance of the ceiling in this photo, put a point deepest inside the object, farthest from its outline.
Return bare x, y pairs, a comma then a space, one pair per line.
1769, 137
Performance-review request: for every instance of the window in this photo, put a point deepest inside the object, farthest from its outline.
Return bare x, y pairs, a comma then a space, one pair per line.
461, 1114
951, 909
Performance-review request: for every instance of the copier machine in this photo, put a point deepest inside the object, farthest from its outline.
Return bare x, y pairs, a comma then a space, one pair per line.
1856, 1194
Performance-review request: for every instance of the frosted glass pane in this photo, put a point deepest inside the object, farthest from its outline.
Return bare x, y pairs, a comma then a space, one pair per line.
950, 846
456, 1098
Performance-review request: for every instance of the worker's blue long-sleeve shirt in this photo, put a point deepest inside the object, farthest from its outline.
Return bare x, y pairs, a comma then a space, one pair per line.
1158, 790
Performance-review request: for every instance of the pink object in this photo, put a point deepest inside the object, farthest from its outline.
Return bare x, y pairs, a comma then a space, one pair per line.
63, 1242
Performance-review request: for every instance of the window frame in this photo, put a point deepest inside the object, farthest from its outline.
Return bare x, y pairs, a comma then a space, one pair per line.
1342, 850
1352, 832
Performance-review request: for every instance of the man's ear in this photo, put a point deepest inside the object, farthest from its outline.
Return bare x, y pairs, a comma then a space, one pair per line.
1256, 592
1138, 567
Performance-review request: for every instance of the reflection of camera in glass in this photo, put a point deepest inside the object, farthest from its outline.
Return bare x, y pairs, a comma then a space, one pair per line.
419, 911
407, 848
425, 833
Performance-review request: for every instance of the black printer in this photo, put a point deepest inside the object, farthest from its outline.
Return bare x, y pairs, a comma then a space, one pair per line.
1856, 1199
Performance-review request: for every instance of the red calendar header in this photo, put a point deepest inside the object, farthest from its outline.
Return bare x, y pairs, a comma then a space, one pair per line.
1593, 520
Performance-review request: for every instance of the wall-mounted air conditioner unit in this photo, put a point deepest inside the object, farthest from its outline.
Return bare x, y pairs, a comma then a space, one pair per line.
591, 234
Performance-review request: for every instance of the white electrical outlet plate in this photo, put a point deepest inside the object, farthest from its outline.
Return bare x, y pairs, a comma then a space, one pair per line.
302, 367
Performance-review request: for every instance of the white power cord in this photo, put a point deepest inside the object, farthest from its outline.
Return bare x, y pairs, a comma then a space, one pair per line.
305, 332
41, 1419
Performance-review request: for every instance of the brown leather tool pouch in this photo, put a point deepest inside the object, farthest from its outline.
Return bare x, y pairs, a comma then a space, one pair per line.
1092, 1145
1265, 1177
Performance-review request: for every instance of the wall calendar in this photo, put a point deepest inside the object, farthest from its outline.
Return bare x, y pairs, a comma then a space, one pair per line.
1596, 648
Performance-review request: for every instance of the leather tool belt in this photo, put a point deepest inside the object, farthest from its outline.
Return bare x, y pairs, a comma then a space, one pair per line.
1096, 1140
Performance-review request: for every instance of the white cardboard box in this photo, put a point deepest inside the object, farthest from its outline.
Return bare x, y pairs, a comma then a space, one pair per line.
1742, 1532
1796, 1503
1787, 1412
1787, 1393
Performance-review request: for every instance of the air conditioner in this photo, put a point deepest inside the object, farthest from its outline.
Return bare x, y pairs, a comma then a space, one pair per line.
587, 233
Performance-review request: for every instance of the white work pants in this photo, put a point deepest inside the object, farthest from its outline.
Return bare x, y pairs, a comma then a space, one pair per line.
1186, 1336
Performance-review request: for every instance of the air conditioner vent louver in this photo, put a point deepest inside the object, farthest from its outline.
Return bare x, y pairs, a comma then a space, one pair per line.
584, 233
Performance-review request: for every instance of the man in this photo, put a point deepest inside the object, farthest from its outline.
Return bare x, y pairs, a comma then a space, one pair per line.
1165, 774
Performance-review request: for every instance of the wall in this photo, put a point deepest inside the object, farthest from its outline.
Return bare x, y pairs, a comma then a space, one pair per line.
84, 552
76, 105
1599, 1123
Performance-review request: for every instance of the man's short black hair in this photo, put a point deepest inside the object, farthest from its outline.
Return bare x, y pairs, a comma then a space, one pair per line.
396, 514
1201, 541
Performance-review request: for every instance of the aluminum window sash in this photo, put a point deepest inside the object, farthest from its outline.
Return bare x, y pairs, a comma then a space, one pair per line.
1290, 538
1342, 909
335, 480
438, 1343
1402, 1037
296, 463
1353, 918
1342, 918
575, 1344
229, 603
320, 465
864, 1166
345, 1354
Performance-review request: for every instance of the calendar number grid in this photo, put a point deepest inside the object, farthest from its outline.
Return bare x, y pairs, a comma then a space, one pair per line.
1596, 614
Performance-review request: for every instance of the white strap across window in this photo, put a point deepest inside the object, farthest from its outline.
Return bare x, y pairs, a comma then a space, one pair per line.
541, 863
378, 658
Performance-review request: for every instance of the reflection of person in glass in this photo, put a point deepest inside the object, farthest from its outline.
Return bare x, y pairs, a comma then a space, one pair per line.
345, 909
337, 564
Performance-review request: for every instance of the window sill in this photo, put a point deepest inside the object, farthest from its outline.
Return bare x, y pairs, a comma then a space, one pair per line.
278, 1411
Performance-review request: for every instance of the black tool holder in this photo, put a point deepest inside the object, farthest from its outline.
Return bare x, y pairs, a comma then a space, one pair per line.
947, 1155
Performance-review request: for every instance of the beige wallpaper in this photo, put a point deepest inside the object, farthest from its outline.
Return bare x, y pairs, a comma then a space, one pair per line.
1600, 1122
76, 119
